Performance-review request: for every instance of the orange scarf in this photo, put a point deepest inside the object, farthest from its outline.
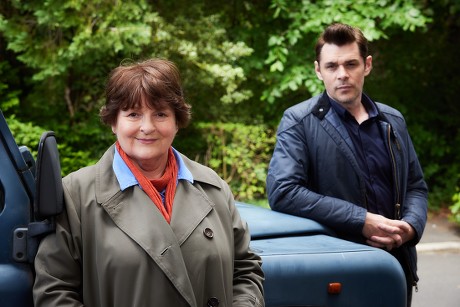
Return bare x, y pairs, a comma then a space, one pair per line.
153, 187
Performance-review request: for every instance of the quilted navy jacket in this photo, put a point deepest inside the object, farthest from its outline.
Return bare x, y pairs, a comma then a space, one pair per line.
314, 173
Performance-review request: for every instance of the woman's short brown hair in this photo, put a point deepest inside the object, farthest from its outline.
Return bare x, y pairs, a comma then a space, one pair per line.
342, 34
155, 81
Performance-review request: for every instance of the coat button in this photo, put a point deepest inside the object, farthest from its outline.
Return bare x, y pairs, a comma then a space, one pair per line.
213, 302
208, 233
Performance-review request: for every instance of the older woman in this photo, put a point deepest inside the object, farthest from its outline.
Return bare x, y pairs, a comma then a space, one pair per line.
146, 226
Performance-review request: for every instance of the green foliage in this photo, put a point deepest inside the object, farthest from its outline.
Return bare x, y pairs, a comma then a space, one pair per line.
455, 208
240, 155
292, 45
64, 51
242, 62
27, 134
72, 160
72, 31
8, 98
441, 165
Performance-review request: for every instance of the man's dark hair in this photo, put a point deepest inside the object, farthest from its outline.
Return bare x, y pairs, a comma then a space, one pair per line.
342, 34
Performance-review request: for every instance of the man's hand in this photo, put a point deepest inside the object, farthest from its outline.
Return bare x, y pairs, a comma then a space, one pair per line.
385, 233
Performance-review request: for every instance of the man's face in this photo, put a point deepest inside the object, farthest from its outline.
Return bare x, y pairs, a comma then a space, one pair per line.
342, 69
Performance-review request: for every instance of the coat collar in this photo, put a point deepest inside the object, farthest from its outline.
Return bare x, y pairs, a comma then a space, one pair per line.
133, 212
107, 184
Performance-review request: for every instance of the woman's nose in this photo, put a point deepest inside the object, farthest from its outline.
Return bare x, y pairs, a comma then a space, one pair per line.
147, 125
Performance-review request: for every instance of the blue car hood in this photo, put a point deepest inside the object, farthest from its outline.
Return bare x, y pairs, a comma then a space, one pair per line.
265, 223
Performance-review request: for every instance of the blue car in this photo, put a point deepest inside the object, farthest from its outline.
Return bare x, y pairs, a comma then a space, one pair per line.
304, 263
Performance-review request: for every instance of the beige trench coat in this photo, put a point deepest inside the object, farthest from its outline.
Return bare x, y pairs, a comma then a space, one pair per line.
115, 249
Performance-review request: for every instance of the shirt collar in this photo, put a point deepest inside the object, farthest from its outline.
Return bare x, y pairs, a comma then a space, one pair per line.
369, 105
126, 178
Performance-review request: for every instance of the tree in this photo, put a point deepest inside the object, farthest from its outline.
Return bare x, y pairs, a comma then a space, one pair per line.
65, 50
292, 46
242, 61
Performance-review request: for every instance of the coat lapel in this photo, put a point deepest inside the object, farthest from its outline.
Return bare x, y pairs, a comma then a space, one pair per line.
190, 207
138, 217
135, 214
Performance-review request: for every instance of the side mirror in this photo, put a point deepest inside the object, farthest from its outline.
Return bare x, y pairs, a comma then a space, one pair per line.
49, 197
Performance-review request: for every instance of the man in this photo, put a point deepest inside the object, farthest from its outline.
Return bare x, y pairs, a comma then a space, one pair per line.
348, 162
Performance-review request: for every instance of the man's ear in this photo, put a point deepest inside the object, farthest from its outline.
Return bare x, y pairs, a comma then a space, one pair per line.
368, 65
318, 71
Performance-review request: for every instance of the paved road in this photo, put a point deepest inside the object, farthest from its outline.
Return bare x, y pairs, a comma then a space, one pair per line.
439, 265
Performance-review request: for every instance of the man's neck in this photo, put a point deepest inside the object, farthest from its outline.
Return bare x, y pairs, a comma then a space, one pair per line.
358, 111
355, 108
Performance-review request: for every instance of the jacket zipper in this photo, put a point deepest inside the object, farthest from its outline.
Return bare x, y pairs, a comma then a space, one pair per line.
398, 204
395, 176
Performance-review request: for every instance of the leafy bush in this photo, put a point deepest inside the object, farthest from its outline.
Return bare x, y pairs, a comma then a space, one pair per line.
455, 208
26, 134
240, 155
439, 161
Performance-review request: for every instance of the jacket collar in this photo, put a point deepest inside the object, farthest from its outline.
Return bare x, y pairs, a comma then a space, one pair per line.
324, 104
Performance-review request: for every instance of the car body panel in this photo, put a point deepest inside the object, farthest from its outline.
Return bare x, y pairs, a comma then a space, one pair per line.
16, 188
267, 223
300, 265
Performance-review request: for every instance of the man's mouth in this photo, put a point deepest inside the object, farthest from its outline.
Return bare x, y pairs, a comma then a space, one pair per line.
344, 87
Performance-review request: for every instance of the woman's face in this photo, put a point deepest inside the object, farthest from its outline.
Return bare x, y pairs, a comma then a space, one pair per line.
145, 135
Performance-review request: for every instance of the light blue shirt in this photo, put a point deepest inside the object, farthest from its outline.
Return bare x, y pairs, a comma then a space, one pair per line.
127, 179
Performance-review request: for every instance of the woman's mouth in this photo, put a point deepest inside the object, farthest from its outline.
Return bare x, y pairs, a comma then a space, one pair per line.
146, 141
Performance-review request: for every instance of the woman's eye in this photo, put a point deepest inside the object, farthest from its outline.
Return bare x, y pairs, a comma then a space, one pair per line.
161, 116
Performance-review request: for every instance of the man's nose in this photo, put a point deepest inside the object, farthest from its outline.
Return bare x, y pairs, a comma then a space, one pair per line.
342, 72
